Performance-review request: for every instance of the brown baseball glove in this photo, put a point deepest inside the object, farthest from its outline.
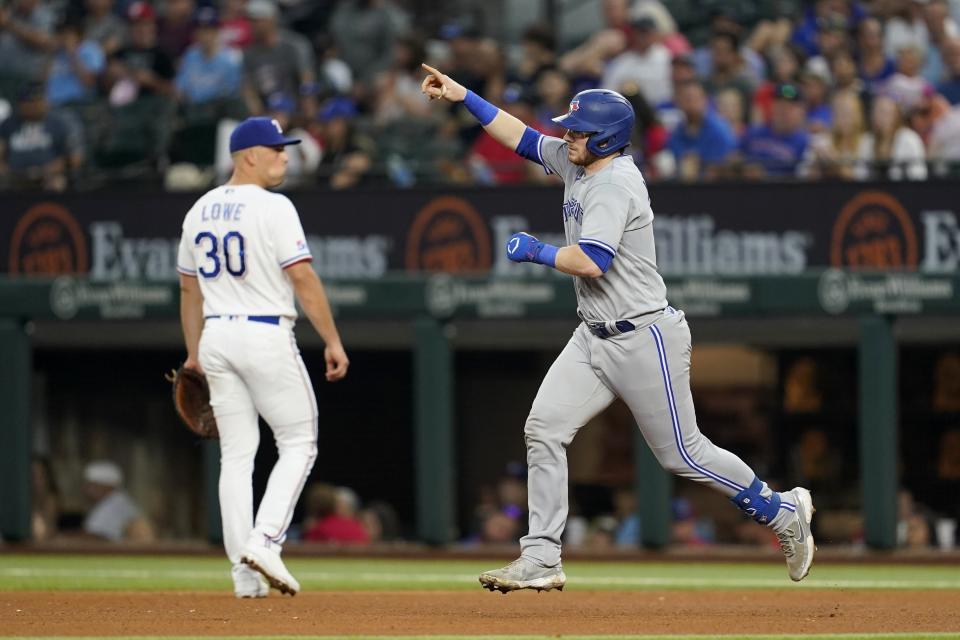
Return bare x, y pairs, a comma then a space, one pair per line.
191, 398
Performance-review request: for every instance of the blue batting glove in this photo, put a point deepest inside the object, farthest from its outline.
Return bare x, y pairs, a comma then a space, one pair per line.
523, 247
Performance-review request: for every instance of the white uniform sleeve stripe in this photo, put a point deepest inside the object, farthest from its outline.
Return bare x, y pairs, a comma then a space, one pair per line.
295, 258
599, 243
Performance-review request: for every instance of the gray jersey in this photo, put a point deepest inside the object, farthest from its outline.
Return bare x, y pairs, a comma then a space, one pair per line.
610, 210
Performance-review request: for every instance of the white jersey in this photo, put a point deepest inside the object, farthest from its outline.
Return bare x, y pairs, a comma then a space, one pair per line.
237, 240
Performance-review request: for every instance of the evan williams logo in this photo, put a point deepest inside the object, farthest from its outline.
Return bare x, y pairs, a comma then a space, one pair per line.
874, 231
448, 235
48, 241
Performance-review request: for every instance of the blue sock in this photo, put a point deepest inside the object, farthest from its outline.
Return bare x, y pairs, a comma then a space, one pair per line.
751, 502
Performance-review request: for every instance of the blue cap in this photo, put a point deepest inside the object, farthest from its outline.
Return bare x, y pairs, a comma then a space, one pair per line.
682, 509
338, 107
206, 17
279, 101
458, 29
258, 132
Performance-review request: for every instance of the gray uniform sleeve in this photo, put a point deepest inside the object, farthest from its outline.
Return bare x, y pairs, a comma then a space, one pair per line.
553, 156
605, 217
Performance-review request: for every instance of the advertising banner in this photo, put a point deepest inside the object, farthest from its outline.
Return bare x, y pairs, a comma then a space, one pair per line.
701, 230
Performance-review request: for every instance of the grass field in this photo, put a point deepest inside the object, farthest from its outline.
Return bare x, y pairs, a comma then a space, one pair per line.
138, 576
134, 573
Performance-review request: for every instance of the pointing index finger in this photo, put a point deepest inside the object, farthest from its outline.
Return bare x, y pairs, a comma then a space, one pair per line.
430, 69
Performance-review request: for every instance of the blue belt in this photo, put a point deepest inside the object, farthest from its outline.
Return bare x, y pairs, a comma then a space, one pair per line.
600, 330
263, 319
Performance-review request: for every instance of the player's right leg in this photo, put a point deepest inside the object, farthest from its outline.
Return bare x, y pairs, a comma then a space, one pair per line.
237, 423
650, 370
284, 396
569, 396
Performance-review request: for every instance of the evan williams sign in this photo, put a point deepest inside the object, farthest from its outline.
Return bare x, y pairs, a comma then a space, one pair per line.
47, 241
874, 231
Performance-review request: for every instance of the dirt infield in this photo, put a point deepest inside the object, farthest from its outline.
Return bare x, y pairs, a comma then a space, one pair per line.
572, 612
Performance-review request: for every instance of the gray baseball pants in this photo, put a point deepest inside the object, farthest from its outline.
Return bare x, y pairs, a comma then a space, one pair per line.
649, 368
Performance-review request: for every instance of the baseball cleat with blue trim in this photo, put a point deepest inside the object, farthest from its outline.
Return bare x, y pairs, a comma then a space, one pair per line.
796, 541
524, 574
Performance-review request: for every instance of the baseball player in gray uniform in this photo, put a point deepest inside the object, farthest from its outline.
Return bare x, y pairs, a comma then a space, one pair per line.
631, 343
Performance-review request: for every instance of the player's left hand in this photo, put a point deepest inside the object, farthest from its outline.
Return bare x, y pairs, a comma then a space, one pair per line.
337, 362
523, 247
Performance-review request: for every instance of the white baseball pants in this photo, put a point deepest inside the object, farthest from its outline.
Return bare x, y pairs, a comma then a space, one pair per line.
255, 368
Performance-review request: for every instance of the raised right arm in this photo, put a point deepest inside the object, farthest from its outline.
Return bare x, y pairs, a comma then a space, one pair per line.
505, 129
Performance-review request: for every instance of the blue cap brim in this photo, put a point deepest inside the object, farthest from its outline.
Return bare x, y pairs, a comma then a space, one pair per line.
572, 122
282, 142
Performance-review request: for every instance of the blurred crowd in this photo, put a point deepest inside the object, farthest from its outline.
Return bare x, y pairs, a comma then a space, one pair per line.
111, 513
601, 518
106, 91
606, 518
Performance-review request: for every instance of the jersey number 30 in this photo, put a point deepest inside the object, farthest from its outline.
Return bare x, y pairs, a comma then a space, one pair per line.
233, 255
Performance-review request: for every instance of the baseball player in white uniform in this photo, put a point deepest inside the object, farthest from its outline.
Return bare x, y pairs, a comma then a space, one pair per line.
631, 343
243, 256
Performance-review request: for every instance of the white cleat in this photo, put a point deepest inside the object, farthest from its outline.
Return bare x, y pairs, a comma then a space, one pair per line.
523, 574
796, 541
268, 563
247, 583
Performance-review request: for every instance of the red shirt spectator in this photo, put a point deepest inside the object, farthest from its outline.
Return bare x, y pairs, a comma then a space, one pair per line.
500, 163
655, 139
235, 29
494, 163
337, 528
332, 516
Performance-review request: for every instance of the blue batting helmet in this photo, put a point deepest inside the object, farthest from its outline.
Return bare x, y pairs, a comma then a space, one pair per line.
606, 115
